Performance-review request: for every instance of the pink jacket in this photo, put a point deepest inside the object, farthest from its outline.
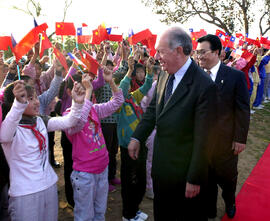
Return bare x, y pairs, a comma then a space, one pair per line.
89, 152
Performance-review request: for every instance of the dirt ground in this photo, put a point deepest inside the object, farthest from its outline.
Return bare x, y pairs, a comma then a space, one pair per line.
258, 140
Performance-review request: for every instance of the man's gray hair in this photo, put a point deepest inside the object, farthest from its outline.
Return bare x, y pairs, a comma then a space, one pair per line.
178, 37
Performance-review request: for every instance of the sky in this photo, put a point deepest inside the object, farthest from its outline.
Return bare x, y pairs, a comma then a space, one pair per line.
124, 14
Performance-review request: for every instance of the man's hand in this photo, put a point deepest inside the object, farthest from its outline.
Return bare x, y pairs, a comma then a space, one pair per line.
133, 149
238, 147
192, 190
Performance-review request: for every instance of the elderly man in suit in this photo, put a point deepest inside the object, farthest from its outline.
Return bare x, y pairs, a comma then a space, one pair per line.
232, 123
182, 110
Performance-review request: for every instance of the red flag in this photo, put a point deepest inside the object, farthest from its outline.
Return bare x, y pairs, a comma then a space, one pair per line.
247, 55
84, 39
90, 62
102, 32
151, 45
5, 42
239, 35
145, 34
45, 44
95, 39
84, 25
28, 41
64, 28
264, 40
61, 58
218, 31
117, 38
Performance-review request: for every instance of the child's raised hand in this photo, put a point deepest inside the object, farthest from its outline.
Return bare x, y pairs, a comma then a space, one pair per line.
78, 93
86, 82
107, 75
20, 92
131, 63
149, 65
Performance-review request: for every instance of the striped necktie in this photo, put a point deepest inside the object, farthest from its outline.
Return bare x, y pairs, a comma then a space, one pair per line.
169, 88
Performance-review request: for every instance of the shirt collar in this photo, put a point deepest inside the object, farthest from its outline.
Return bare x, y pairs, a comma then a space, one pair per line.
214, 70
183, 69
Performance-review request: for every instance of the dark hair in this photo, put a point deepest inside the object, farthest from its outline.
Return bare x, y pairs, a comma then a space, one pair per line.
76, 77
215, 43
25, 78
37, 62
9, 97
137, 66
109, 62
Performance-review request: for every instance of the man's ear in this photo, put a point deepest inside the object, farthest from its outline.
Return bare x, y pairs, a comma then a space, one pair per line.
179, 50
68, 91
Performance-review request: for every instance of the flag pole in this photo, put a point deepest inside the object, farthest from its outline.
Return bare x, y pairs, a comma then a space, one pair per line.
18, 70
63, 44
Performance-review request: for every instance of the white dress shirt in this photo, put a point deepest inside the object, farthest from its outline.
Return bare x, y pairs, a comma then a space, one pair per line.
180, 74
214, 71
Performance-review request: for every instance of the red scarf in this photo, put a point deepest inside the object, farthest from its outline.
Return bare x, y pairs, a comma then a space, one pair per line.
41, 139
138, 110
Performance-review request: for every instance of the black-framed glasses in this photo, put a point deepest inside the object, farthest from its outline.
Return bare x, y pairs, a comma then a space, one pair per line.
201, 52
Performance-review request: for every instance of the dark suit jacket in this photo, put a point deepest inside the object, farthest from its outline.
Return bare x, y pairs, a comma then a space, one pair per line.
233, 112
183, 125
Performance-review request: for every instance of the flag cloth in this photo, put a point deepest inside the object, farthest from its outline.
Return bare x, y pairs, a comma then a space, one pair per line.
90, 62
247, 55
5, 42
117, 38
95, 37
28, 41
13, 41
76, 60
45, 44
83, 35
136, 38
102, 32
64, 28
264, 40
61, 58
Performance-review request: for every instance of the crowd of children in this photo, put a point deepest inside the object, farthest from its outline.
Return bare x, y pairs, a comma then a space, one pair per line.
97, 114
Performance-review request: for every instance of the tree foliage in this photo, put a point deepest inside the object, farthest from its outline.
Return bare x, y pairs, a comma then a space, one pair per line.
229, 15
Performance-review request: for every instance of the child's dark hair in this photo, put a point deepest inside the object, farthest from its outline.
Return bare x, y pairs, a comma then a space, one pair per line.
109, 62
9, 97
37, 62
25, 78
76, 77
137, 66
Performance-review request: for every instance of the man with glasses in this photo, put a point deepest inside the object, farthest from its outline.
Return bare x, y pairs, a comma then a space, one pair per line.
231, 127
183, 110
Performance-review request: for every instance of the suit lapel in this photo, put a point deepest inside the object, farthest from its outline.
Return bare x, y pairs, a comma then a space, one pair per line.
221, 76
180, 90
161, 91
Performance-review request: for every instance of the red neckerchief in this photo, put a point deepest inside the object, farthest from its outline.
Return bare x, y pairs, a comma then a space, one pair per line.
137, 108
135, 84
41, 139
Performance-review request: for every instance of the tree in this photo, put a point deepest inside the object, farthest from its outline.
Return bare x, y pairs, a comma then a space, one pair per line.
229, 15
32, 8
265, 18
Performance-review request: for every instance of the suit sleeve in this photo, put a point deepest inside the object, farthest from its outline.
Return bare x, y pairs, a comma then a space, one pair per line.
242, 110
205, 116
